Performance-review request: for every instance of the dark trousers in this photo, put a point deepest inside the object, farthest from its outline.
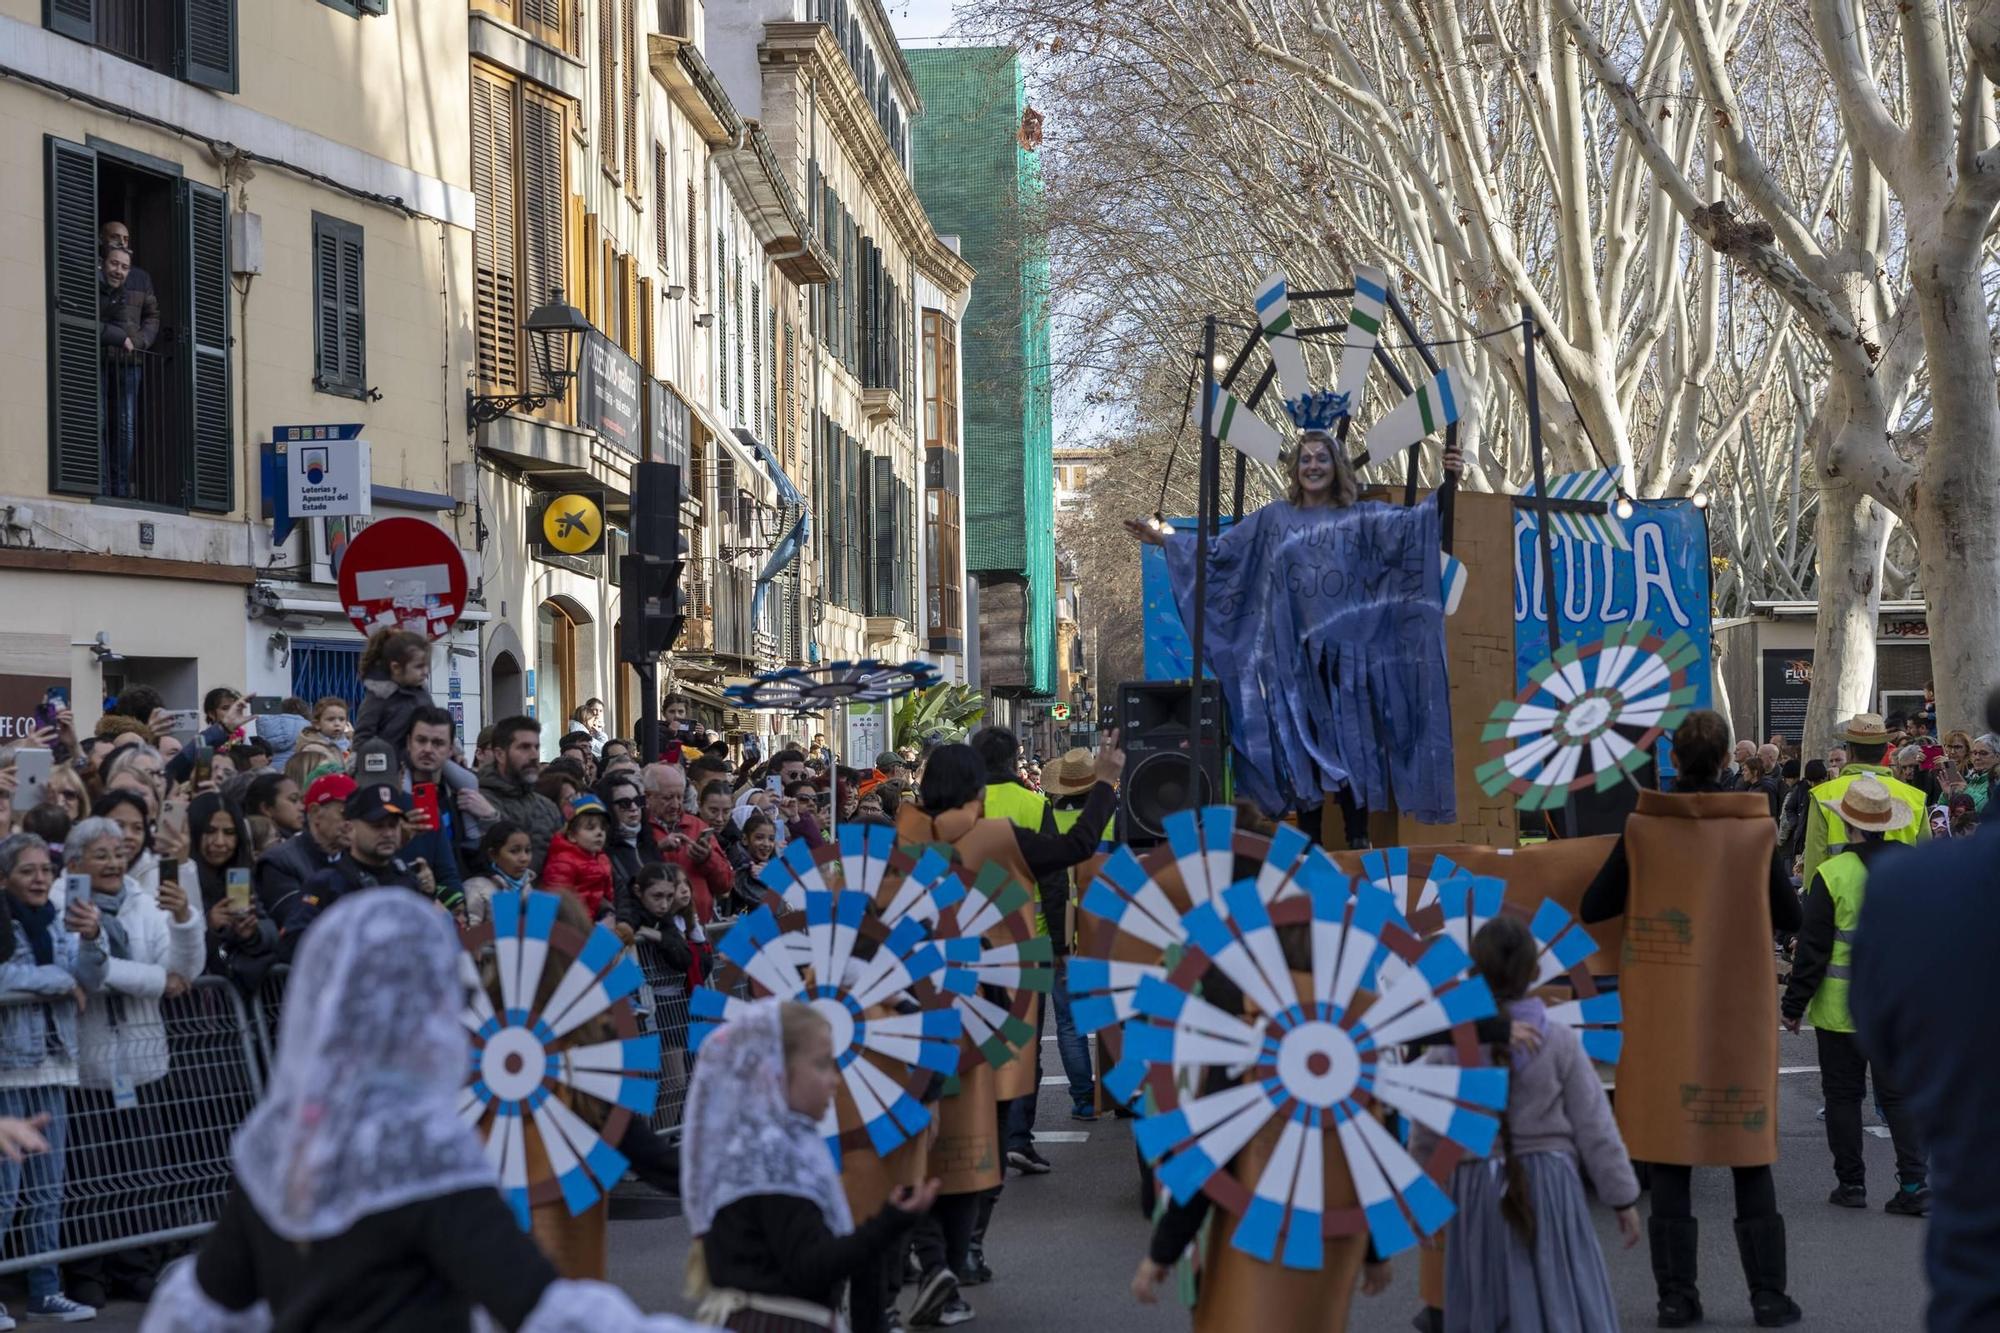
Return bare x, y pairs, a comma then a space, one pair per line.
1673, 1191
871, 1291
1843, 1077
942, 1238
1353, 822
121, 426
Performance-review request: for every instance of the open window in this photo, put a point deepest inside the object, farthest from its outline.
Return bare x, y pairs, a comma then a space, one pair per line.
193, 40
150, 425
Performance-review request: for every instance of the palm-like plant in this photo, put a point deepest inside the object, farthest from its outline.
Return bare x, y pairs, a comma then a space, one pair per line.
937, 716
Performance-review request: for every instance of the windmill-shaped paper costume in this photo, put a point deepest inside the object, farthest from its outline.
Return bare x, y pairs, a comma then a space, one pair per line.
563, 1032
1434, 404
1313, 1054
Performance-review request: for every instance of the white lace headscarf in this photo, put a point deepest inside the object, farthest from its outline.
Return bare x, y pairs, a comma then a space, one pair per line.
743, 1138
362, 1111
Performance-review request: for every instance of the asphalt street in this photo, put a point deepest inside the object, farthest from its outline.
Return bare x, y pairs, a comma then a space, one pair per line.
1064, 1245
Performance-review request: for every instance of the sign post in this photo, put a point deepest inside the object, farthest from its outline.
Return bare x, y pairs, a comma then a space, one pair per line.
403, 573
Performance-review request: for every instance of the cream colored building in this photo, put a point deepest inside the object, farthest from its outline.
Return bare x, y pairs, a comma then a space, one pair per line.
296, 183
828, 86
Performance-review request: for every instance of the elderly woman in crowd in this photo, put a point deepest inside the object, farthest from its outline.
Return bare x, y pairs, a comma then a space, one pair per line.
133, 816
156, 946
1979, 776
59, 956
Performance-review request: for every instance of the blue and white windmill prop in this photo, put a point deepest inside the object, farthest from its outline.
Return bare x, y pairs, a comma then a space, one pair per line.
892, 1027
533, 1056
1316, 1058
993, 964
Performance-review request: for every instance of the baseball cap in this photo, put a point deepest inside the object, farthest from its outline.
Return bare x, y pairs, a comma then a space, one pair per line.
376, 761
329, 787
376, 801
588, 803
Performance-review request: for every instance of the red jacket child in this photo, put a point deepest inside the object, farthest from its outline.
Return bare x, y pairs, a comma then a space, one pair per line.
577, 860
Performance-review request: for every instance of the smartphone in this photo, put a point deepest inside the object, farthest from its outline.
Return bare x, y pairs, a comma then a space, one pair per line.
237, 880
426, 794
70, 889
204, 763
776, 786
31, 773
58, 695
184, 722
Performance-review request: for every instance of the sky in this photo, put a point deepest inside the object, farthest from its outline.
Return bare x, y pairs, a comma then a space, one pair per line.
919, 20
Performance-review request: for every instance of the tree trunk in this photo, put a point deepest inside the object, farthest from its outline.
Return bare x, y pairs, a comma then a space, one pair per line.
1853, 530
1956, 509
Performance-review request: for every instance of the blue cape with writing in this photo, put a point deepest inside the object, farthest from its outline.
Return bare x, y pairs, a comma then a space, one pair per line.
1326, 630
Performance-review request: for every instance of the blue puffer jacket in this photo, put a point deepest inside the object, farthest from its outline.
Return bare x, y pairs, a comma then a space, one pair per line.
78, 962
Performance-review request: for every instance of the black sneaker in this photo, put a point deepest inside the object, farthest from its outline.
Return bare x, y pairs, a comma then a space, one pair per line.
1028, 1162
1908, 1202
1848, 1196
956, 1311
913, 1269
934, 1293
977, 1274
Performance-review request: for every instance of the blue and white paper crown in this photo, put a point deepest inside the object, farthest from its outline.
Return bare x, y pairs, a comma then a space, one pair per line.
1318, 409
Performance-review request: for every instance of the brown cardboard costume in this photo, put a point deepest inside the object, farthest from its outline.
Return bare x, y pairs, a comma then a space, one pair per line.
1698, 1083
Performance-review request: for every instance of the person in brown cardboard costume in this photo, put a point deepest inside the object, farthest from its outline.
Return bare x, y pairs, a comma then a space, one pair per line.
1697, 878
952, 797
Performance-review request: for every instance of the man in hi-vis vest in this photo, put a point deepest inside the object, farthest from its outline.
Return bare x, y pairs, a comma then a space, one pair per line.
1821, 973
1867, 742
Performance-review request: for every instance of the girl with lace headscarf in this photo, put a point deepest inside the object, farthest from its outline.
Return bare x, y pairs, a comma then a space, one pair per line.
362, 1200
774, 1240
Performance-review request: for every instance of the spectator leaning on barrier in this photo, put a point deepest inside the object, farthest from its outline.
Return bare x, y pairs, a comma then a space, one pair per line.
509, 782
282, 872
130, 812
121, 1126
60, 956
685, 840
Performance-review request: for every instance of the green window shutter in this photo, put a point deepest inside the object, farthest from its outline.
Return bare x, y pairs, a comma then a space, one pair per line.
374, 6
76, 390
339, 334
71, 18
207, 53
205, 228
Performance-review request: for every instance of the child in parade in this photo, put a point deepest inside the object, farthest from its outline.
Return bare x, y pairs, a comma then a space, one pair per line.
775, 1241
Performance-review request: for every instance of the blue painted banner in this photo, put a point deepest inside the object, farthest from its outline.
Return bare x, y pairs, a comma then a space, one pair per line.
1168, 652
1663, 578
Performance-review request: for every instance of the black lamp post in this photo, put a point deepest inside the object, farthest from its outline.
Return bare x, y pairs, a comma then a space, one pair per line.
555, 333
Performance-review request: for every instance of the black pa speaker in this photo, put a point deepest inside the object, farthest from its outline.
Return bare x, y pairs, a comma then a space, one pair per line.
1159, 722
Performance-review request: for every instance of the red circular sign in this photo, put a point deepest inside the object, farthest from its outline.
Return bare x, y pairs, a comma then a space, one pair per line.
403, 573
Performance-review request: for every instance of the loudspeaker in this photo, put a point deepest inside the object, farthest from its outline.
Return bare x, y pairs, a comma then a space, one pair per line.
1158, 722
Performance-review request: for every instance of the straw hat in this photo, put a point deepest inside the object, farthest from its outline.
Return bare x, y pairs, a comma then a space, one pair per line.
1867, 805
1074, 773
1864, 729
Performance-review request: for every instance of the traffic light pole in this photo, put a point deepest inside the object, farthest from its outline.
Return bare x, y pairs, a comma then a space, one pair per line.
649, 711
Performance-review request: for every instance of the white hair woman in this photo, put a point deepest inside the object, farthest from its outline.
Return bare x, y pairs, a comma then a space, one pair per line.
362, 1200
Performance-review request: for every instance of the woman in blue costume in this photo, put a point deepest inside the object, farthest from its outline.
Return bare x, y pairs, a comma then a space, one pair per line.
1326, 630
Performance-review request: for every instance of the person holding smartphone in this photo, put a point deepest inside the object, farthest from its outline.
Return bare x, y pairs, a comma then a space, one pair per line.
242, 942
59, 956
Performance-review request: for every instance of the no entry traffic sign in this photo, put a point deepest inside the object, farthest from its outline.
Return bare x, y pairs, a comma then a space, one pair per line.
403, 573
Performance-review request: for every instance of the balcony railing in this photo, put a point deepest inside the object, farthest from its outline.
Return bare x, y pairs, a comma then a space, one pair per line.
146, 448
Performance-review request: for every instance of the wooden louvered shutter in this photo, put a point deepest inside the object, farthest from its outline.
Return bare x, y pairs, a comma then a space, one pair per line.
544, 206
205, 218
73, 18
629, 84
340, 343
208, 43
497, 311
76, 390
662, 231
607, 85
645, 300
544, 18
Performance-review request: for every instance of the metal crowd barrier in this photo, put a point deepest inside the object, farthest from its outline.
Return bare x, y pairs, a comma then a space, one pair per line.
663, 1012
139, 1151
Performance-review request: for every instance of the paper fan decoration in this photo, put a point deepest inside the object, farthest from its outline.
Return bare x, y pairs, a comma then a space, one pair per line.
1143, 902
527, 1051
807, 689
1314, 1063
1588, 716
892, 1027
992, 961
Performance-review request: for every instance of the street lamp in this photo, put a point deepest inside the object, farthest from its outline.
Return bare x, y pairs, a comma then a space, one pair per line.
555, 333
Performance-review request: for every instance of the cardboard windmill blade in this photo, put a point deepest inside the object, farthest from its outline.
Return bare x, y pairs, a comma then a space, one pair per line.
1588, 716
892, 1027
1134, 907
1599, 485
559, 1065
1290, 1144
